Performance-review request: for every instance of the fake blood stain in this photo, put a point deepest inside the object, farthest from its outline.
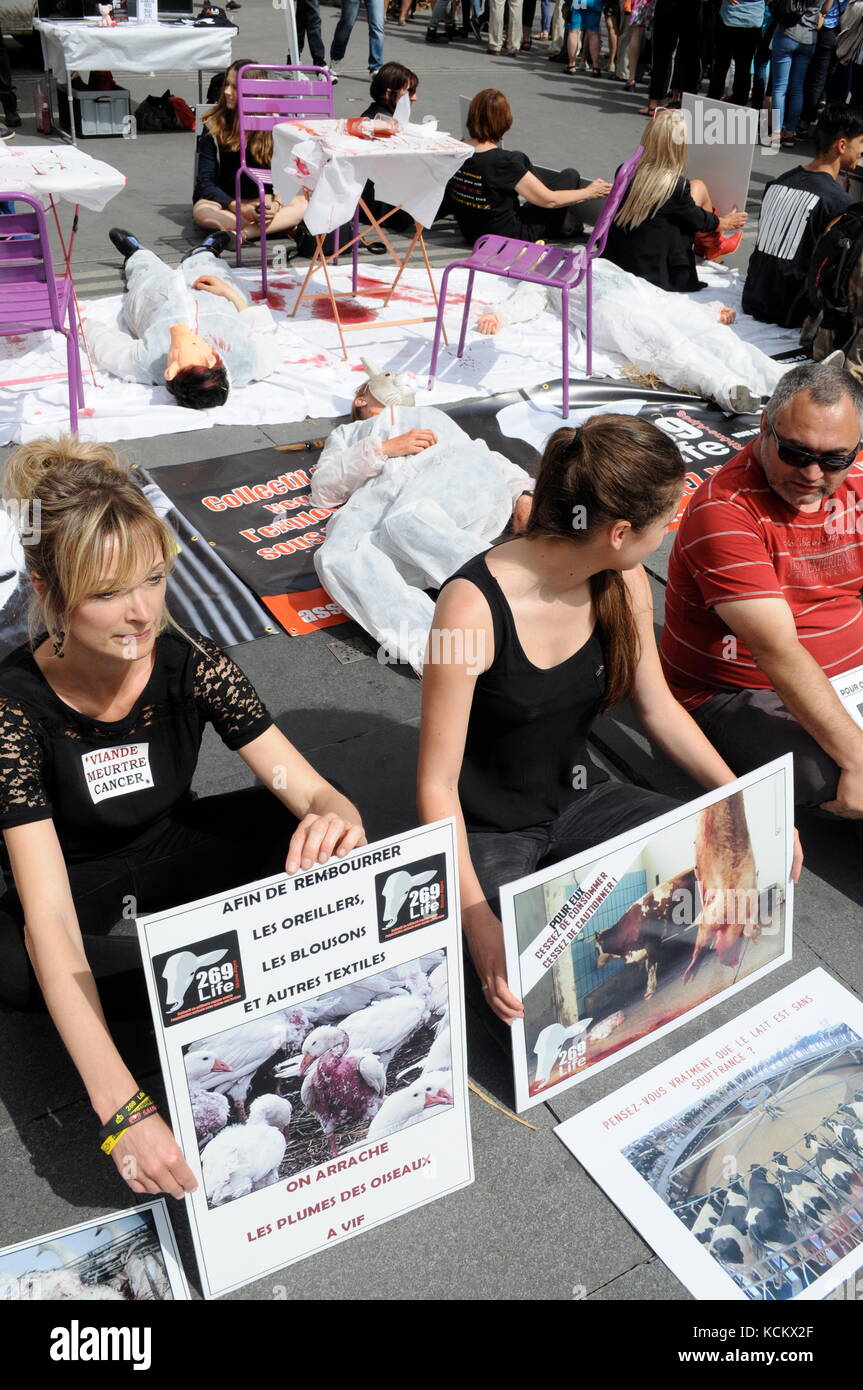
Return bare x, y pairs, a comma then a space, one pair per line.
274, 299
349, 311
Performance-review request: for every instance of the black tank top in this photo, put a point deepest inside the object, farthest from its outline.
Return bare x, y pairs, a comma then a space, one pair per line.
527, 733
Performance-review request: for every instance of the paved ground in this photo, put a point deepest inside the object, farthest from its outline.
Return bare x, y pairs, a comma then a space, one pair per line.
533, 1226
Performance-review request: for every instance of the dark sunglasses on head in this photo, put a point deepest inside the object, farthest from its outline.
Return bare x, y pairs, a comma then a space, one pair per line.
801, 458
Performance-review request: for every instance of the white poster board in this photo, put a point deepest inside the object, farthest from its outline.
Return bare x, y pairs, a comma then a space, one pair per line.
721, 140
849, 688
311, 1034
738, 1159
127, 1257
617, 946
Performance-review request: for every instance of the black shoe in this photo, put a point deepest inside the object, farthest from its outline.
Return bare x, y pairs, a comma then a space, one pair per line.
125, 242
435, 36
11, 117
233, 5
215, 243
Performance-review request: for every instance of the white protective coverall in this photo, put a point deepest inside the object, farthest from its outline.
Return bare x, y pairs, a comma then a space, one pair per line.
158, 296
406, 524
662, 334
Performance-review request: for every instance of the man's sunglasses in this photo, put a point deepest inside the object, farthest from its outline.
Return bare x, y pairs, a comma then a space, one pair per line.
801, 458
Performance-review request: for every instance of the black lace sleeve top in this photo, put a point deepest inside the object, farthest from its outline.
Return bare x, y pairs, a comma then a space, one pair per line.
111, 788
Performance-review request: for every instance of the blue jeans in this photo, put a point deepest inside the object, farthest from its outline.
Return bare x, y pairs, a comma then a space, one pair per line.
790, 63
347, 20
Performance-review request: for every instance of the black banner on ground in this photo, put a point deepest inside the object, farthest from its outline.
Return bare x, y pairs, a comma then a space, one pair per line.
257, 513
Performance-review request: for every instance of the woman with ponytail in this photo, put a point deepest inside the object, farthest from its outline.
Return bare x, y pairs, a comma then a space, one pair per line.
531, 641
101, 720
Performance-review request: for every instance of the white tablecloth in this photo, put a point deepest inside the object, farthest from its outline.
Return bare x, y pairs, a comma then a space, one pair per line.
58, 171
411, 169
76, 46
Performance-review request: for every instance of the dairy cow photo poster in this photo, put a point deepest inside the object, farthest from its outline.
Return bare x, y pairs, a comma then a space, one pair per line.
740, 1159
619, 945
311, 1031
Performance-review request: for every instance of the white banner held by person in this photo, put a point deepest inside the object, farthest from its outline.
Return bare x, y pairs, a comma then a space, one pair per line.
849, 688
737, 1159
619, 944
311, 1034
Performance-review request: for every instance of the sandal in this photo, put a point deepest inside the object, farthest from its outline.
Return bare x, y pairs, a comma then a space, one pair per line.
572, 71
544, 35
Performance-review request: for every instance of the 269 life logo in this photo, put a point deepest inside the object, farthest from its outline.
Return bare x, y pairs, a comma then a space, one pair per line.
412, 896
203, 976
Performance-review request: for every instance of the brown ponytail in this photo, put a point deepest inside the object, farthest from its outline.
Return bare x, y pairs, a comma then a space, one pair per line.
615, 467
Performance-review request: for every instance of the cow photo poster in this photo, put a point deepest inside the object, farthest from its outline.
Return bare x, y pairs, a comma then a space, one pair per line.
740, 1159
311, 1034
622, 943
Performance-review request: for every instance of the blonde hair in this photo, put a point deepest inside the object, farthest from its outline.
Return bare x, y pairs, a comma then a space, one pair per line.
662, 165
224, 125
85, 503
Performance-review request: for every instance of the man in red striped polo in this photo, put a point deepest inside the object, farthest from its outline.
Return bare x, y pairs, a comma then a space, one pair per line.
763, 603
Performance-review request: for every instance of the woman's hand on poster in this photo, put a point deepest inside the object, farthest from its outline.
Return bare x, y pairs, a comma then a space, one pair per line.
318, 838
485, 941
488, 324
733, 221
150, 1159
849, 796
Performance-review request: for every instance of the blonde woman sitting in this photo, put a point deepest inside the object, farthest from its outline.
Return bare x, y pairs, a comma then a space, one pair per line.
654, 232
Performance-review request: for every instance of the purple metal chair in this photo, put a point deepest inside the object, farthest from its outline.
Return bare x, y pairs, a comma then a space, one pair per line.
551, 266
32, 298
266, 95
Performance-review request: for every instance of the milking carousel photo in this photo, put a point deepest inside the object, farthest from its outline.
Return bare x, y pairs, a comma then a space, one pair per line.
612, 948
755, 1168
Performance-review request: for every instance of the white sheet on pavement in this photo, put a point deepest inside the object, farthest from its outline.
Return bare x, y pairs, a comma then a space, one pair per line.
313, 380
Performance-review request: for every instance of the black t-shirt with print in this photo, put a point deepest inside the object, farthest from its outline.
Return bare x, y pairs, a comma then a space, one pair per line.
482, 197
110, 788
794, 212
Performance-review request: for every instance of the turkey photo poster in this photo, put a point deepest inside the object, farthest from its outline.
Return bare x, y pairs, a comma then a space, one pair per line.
127, 1257
311, 1035
740, 1159
622, 943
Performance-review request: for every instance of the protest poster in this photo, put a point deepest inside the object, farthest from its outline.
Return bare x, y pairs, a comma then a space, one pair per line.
622, 943
720, 143
849, 688
739, 1158
311, 1035
127, 1257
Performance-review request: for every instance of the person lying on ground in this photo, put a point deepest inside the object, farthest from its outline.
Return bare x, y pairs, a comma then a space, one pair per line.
684, 342
101, 722
485, 194
555, 626
656, 227
765, 580
417, 497
190, 327
795, 209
